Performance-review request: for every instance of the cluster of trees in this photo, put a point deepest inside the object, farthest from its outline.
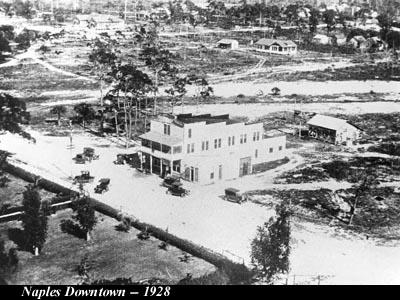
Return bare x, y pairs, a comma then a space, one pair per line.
21, 8
134, 81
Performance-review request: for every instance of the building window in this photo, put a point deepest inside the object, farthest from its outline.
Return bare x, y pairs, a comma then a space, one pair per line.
233, 140
212, 176
241, 138
245, 139
188, 148
229, 141
190, 133
203, 146
215, 144
280, 148
254, 136
258, 135
177, 149
167, 129
192, 147
206, 145
256, 154
219, 143
271, 150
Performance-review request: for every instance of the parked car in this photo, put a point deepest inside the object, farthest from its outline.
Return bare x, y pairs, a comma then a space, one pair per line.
176, 189
121, 159
234, 195
80, 159
170, 180
103, 186
83, 178
89, 153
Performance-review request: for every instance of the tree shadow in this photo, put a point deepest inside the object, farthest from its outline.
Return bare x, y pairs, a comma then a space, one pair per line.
68, 226
17, 235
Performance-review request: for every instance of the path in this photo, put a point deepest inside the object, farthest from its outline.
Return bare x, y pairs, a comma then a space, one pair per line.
31, 54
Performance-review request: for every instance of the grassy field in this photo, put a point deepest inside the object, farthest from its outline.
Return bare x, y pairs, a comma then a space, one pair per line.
31, 80
111, 254
11, 195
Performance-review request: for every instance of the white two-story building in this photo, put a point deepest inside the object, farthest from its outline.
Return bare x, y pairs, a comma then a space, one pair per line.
205, 148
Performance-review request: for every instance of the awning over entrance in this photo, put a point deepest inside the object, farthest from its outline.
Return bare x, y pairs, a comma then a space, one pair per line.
161, 138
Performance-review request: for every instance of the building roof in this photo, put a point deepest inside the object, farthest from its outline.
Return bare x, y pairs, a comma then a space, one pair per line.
161, 138
282, 43
227, 41
208, 118
329, 122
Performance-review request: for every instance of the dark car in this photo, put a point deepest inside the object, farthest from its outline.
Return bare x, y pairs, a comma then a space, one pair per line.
177, 190
83, 178
121, 159
80, 159
89, 153
102, 187
234, 195
170, 180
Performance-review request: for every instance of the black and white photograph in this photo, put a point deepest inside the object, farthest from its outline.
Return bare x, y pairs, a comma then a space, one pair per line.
162, 143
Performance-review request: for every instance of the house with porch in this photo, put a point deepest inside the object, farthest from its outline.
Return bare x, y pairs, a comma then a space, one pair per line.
333, 130
206, 148
285, 47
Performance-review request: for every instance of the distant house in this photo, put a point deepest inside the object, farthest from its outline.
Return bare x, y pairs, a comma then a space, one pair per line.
321, 39
333, 130
228, 44
358, 41
276, 46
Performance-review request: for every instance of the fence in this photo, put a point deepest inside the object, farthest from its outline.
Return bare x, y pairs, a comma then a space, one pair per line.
299, 279
237, 272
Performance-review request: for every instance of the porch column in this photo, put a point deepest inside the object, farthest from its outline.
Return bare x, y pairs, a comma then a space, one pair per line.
161, 167
151, 163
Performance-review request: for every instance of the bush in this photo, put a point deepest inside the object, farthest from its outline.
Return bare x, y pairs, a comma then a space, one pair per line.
124, 226
218, 277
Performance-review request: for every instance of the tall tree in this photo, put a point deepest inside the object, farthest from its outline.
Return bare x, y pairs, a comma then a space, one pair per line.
8, 260
159, 60
365, 182
58, 110
135, 85
313, 20
270, 249
34, 219
177, 91
13, 114
4, 46
329, 18
86, 112
103, 57
85, 215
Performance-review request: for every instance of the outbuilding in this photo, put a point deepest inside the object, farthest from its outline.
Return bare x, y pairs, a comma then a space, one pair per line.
333, 130
228, 44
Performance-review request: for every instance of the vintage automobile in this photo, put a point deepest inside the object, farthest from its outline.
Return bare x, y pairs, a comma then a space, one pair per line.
84, 177
176, 189
234, 195
80, 159
89, 153
170, 180
102, 187
121, 159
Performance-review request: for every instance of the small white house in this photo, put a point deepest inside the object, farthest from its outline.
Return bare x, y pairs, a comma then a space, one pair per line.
321, 39
333, 130
285, 47
228, 44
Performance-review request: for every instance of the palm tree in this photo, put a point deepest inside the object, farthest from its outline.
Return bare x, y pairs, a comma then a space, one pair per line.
58, 110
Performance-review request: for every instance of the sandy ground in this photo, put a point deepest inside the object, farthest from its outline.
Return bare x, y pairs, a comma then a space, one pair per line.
204, 217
